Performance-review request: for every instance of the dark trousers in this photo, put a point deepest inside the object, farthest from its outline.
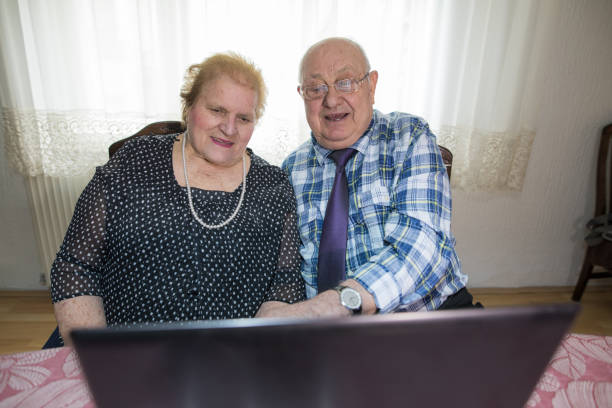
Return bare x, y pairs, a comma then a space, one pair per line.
460, 300
55, 340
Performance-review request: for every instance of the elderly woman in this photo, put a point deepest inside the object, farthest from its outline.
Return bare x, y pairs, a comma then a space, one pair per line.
189, 226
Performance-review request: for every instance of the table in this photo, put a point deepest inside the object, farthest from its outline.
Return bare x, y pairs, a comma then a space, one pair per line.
578, 375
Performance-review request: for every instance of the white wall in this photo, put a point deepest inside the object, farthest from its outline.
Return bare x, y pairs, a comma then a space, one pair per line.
535, 237
528, 238
20, 267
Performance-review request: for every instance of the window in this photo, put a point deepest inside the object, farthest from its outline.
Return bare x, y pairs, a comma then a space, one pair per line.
81, 74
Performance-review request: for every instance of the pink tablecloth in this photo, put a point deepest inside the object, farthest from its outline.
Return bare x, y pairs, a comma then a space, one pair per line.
579, 375
44, 378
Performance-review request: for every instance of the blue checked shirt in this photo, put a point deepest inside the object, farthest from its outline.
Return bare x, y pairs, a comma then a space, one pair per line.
400, 246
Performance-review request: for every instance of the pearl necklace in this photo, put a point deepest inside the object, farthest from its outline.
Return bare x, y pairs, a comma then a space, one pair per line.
193, 211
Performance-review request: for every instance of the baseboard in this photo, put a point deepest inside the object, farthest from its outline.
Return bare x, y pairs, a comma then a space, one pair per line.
537, 289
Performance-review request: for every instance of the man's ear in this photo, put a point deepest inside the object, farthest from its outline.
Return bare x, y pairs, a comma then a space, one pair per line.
373, 81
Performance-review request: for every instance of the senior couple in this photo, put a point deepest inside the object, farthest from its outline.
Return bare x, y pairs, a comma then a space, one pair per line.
196, 226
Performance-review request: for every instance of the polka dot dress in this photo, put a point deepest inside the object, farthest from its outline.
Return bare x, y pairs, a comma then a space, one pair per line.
133, 241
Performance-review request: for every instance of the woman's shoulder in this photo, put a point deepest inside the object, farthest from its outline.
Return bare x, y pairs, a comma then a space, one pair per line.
148, 142
271, 174
270, 183
262, 166
138, 150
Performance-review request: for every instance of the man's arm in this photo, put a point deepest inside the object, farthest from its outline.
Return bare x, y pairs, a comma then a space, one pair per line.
77, 312
414, 265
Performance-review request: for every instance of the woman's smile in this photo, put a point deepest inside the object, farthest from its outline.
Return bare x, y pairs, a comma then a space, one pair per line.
223, 143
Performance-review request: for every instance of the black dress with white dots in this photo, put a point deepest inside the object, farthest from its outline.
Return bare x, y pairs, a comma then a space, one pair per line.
134, 242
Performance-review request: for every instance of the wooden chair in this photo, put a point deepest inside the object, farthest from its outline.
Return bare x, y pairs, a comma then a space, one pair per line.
447, 157
599, 254
156, 128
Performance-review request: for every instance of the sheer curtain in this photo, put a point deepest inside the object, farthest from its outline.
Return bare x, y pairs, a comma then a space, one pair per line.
76, 75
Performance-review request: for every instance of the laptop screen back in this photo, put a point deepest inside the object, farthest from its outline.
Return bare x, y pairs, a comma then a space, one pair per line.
475, 358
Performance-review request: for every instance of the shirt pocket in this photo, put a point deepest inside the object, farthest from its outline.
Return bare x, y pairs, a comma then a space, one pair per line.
372, 209
309, 222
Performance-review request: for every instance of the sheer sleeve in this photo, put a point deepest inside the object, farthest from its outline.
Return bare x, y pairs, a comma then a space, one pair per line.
288, 285
76, 270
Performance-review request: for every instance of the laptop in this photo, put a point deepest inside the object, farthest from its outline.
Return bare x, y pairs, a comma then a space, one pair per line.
463, 358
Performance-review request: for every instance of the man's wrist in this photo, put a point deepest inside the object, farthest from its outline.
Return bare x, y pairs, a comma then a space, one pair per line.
349, 298
368, 302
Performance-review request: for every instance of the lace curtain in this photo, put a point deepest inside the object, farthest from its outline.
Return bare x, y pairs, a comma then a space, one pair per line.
77, 75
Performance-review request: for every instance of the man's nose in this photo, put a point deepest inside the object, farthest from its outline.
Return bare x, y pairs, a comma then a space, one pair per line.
332, 98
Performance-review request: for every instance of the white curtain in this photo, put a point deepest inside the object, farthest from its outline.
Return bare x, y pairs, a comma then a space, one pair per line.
75, 75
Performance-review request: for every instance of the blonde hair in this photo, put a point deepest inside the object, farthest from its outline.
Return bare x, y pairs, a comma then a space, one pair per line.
231, 64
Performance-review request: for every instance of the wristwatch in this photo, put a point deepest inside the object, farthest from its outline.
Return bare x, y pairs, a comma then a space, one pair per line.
349, 298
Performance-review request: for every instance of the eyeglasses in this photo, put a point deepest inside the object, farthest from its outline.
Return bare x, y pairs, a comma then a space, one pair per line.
346, 86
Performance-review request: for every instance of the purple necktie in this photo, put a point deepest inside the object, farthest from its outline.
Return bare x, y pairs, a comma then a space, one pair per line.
332, 248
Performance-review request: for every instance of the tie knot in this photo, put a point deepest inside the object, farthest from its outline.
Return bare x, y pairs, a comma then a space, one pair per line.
342, 156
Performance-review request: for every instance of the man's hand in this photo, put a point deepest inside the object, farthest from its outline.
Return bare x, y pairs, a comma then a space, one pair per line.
326, 304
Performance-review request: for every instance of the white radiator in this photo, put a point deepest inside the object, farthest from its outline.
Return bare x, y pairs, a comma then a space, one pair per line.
52, 201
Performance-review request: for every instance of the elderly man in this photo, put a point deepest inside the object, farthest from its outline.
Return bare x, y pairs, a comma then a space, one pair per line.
373, 198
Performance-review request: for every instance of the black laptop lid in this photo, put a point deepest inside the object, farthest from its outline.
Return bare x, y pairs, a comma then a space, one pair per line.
473, 358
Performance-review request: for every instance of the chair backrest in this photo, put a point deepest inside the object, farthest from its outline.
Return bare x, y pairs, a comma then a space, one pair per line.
157, 128
172, 126
447, 157
603, 181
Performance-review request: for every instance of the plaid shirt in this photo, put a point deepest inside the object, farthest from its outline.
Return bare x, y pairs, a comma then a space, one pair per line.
400, 246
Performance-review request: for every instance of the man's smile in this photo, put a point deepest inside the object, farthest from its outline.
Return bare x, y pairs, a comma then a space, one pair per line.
335, 117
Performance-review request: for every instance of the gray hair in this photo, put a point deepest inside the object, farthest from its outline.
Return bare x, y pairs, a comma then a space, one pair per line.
348, 41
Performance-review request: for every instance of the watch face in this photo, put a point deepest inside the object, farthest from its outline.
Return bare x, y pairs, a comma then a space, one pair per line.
351, 298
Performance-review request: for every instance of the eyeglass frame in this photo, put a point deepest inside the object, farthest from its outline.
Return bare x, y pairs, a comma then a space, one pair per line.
302, 90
